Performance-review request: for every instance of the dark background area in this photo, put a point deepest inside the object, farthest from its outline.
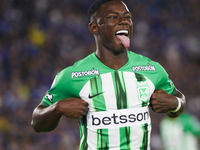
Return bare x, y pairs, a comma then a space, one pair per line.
39, 38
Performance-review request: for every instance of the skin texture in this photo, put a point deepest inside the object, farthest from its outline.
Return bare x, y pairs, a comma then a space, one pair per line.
110, 18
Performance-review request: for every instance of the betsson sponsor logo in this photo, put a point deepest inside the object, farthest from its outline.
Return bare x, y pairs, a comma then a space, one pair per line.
118, 118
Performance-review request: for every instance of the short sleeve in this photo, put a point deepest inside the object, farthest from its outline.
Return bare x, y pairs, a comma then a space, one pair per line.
161, 79
59, 89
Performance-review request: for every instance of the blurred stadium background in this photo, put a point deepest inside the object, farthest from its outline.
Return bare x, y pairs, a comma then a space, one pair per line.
39, 38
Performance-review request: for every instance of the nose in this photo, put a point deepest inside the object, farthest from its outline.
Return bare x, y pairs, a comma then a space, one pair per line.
123, 21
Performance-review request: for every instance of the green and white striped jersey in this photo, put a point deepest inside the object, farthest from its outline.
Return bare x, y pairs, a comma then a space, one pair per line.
118, 117
180, 133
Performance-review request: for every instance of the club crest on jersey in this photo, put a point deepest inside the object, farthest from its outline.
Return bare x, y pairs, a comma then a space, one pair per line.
143, 91
49, 97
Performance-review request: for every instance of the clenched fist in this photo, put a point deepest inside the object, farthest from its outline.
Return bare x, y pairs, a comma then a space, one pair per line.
74, 108
162, 102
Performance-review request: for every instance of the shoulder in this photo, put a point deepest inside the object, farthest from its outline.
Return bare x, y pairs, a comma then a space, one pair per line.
152, 70
81, 68
143, 63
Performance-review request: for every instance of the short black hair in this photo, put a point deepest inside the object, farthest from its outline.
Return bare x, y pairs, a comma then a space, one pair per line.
95, 6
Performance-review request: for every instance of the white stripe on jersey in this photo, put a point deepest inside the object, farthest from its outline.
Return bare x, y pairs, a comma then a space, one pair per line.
84, 95
91, 140
114, 138
91, 136
110, 100
130, 80
109, 91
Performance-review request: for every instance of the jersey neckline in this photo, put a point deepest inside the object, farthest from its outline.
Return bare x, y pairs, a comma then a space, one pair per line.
102, 64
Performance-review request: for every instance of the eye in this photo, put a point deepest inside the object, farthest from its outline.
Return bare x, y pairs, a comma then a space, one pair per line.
128, 17
112, 17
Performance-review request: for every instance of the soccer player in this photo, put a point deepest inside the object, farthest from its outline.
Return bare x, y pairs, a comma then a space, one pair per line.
110, 90
181, 133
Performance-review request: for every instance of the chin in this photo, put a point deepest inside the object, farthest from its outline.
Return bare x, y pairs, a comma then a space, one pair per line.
120, 50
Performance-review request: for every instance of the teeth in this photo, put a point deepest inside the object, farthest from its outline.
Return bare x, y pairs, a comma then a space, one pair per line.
122, 32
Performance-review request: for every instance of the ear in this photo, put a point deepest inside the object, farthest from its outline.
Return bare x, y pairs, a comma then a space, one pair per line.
93, 28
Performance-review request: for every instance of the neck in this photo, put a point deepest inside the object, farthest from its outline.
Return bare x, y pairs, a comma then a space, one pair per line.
112, 60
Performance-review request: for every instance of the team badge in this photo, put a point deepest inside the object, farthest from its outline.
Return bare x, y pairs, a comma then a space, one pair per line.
143, 90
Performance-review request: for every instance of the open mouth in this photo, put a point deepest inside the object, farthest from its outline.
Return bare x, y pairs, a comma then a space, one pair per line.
122, 32
122, 36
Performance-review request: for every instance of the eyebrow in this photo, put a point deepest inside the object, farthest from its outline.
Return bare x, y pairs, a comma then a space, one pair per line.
118, 13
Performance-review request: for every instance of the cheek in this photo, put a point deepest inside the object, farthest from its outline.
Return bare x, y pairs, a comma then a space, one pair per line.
106, 31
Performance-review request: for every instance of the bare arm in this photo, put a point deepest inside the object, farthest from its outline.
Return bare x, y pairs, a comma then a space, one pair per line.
45, 119
162, 102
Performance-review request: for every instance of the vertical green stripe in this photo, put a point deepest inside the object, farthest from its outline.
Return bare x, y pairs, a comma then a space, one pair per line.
102, 139
99, 105
83, 132
144, 145
122, 103
139, 77
120, 90
96, 87
125, 138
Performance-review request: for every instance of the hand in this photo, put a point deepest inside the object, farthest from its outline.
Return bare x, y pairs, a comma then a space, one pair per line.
162, 102
74, 108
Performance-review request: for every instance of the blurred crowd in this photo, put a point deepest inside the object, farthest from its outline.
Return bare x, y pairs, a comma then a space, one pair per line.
39, 38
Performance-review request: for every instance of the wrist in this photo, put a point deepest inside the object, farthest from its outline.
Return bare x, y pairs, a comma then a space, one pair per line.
178, 107
57, 110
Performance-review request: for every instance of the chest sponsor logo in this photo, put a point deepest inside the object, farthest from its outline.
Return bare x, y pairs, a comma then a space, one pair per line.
149, 67
118, 118
85, 73
143, 91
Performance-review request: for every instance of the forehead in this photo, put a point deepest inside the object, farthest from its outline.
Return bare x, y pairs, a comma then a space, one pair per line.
112, 6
